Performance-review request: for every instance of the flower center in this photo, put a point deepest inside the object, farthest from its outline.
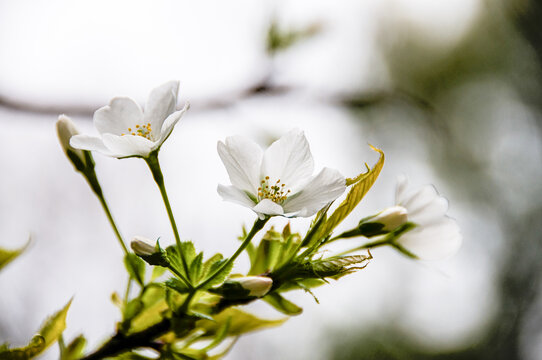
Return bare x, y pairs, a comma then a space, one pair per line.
275, 192
141, 130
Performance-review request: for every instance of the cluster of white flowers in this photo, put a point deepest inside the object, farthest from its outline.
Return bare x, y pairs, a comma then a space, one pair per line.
276, 182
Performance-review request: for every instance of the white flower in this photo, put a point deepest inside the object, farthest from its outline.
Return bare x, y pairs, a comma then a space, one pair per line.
143, 246
257, 285
436, 235
278, 181
126, 131
391, 218
65, 129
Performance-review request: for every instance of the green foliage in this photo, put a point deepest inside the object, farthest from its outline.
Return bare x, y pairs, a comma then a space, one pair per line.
150, 309
49, 332
177, 285
240, 322
34, 348
283, 305
6, 256
75, 349
275, 250
359, 186
135, 267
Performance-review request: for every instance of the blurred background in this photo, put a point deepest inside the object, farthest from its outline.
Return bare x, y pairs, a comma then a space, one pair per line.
449, 89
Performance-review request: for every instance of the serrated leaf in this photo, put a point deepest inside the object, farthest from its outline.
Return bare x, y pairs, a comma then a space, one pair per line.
339, 265
208, 264
283, 305
135, 267
177, 285
359, 187
75, 349
6, 256
240, 323
196, 267
34, 348
176, 259
220, 276
54, 325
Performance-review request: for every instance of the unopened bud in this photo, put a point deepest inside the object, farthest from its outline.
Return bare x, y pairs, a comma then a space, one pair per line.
143, 246
391, 218
257, 285
65, 129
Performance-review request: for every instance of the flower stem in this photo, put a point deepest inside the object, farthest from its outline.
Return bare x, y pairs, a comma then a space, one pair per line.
154, 166
258, 225
95, 185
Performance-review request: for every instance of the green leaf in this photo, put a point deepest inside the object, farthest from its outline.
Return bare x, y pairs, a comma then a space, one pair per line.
34, 348
54, 325
359, 187
75, 349
6, 256
221, 334
268, 253
220, 276
339, 265
175, 259
196, 267
177, 285
209, 264
240, 323
154, 306
157, 271
135, 267
281, 304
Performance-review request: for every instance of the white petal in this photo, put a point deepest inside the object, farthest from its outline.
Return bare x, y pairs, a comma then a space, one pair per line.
430, 212
400, 190
288, 159
121, 113
90, 143
170, 122
128, 145
233, 194
325, 187
160, 104
268, 207
435, 242
242, 159
420, 198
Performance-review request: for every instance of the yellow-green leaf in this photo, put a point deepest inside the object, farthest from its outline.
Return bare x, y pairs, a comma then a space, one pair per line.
54, 325
282, 304
360, 185
6, 256
36, 346
240, 323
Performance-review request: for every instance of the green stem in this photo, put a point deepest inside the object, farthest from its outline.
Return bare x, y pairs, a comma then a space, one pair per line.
370, 245
127, 293
154, 166
92, 180
112, 222
258, 225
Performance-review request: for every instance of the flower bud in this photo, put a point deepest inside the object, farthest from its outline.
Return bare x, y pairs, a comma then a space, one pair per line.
65, 129
143, 246
391, 218
257, 285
